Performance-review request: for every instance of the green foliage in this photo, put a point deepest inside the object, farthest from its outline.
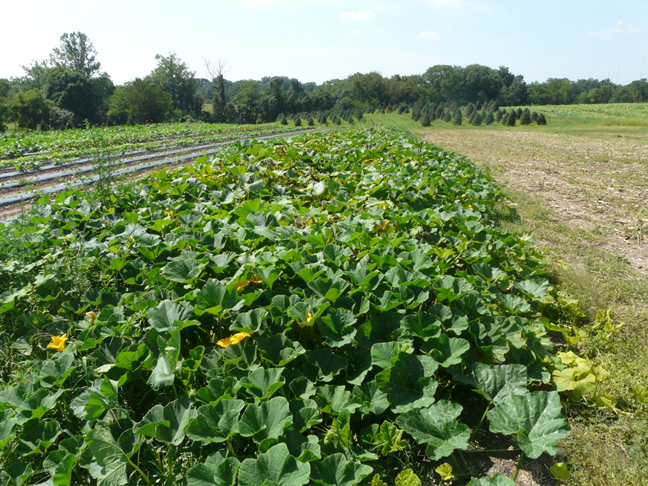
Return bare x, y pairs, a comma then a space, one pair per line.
285, 312
28, 109
425, 120
139, 102
457, 118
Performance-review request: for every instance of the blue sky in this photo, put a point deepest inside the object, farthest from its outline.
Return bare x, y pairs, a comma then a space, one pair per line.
319, 40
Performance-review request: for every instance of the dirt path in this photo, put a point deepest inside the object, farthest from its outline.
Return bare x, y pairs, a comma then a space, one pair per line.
593, 182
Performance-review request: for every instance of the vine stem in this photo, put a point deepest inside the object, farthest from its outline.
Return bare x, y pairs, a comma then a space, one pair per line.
146, 478
474, 433
519, 466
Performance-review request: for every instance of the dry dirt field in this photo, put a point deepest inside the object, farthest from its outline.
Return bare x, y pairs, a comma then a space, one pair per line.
594, 182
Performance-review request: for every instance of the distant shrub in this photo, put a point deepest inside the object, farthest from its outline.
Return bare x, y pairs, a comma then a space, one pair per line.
470, 109
509, 119
284, 120
425, 120
534, 116
476, 119
310, 121
541, 119
439, 111
525, 119
416, 114
298, 122
447, 116
490, 119
457, 118
518, 113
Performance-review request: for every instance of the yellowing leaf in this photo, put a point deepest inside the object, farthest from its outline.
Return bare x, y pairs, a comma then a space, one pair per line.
560, 471
376, 481
641, 394
407, 478
445, 471
607, 402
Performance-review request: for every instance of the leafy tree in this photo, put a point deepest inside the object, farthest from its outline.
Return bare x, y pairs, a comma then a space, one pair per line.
175, 78
77, 54
74, 92
139, 102
29, 109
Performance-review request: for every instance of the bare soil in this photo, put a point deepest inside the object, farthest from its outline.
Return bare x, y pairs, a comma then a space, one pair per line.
595, 182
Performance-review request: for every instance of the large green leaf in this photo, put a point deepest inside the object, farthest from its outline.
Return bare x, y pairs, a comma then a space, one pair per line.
263, 383
446, 351
167, 424
183, 270
276, 467
279, 349
217, 470
499, 382
216, 423
94, 401
215, 298
535, 418
55, 371
169, 316
409, 383
497, 480
437, 427
338, 327
305, 413
61, 465
110, 458
265, 421
323, 364
168, 362
37, 436
335, 470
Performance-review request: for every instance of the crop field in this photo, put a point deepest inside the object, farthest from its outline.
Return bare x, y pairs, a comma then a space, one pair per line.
79, 158
333, 309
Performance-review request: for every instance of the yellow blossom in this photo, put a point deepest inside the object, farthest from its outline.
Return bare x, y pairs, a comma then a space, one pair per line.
470, 206
382, 227
91, 317
58, 343
171, 213
308, 319
254, 280
239, 336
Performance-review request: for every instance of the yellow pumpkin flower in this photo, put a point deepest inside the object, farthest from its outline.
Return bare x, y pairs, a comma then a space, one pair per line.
91, 317
308, 319
239, 336
383, 226
58, 343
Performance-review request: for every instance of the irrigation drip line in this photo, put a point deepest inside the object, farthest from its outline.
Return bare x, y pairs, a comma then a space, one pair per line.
25, 196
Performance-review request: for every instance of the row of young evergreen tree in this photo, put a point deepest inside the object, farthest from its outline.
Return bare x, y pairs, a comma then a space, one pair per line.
474, 113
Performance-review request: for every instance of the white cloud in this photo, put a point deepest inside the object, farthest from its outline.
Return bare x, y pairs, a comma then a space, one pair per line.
620, 28
361, 16
428, 35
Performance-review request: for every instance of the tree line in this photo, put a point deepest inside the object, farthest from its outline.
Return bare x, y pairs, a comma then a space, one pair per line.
69, 89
